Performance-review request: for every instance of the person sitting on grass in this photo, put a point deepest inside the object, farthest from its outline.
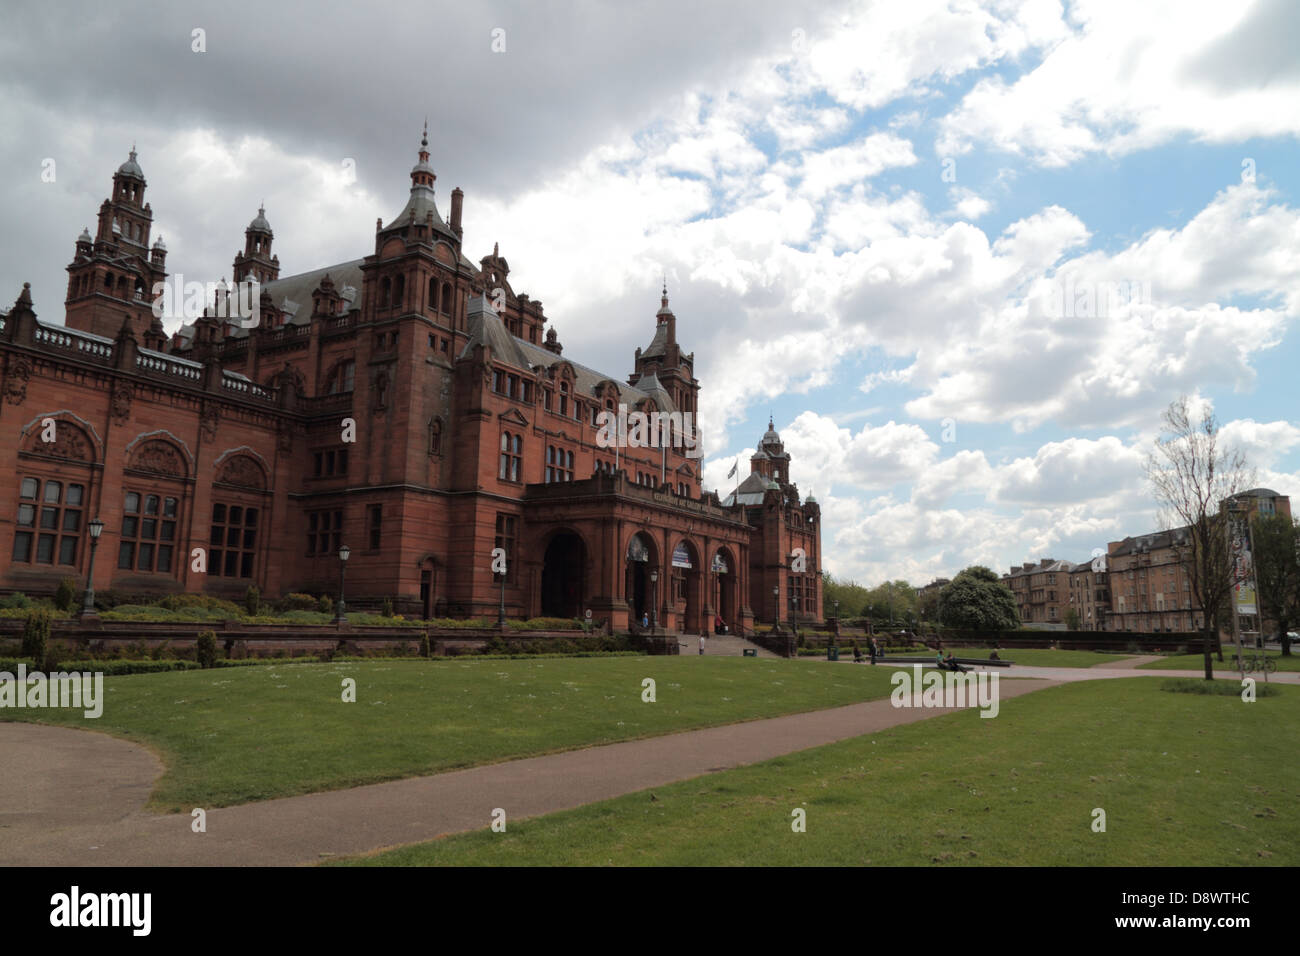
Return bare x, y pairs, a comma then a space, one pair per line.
952, 665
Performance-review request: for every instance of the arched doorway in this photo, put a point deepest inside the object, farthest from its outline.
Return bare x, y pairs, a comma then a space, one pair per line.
639, 587
562, 576
722, 569
685, 588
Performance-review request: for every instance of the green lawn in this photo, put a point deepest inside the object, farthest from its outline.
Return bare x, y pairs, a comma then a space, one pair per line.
1185, 779
1196, 662
233, 735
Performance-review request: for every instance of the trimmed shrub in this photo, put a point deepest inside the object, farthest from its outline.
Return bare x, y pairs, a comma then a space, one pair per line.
325, 605
65, 595
425, 650
36, 636
387, 610
297, 601
206, 649
252, 601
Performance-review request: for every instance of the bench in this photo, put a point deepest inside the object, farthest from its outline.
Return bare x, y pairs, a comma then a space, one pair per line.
930, 662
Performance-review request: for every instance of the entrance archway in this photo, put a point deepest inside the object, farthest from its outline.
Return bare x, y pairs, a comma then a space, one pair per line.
640, 590
722, 569
685, 588
562, 577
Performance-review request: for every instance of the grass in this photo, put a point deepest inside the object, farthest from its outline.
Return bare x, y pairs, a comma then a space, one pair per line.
1184, 780
1196, 662
253, 733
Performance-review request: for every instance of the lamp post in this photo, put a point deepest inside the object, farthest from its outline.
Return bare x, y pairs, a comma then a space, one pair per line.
654, 599
96, 528
776, 607
339, 609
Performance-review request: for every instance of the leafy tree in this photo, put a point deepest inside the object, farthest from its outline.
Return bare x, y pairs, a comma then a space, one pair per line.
1192, 479
891, 601
851, 595
1072, 619
976, 599
1277, 571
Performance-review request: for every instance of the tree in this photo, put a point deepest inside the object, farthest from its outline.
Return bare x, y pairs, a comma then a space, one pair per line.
850, 594
1072, 619
976, 599
1277, 571
891, 601
1192, 479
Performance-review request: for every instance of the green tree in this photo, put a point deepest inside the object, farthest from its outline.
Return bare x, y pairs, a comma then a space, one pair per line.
36, 636
1276, 540
851, 595
976, 599
1072, 619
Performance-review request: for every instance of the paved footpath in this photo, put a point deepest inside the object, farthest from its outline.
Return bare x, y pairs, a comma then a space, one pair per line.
77, 797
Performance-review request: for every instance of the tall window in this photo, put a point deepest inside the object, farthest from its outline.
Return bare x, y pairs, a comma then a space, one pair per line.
505, 539
324, 531
50, 520
559, 464
375, 520
512, 449
233, 541
564, 398
148, 533
343, 378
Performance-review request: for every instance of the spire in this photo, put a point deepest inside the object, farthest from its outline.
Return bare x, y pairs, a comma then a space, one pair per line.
422, 173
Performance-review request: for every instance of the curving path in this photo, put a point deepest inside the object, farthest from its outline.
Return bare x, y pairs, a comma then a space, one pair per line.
74, 797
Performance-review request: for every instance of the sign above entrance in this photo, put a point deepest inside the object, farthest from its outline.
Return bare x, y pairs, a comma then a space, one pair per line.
682, 557
719, 564
636, 550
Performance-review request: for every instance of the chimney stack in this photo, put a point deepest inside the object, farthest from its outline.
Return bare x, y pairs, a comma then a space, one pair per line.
457, 199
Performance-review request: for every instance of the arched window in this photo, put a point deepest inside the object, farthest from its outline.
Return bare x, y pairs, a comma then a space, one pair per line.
564, 398
433, 295
435, 437
385, 292
446, 299
399, 291
108, 282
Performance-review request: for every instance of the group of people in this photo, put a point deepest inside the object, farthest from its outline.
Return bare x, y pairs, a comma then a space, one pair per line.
948, 663
873, 649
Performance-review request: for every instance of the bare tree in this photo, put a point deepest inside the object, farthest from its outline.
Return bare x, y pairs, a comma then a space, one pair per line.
1192, 478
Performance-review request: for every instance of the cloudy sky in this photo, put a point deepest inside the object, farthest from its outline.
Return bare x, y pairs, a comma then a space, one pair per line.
964, 253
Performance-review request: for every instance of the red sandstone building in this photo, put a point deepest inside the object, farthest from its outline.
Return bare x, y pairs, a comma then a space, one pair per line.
408, 404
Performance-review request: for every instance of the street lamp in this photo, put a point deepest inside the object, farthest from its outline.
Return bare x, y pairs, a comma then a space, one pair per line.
776, 606
344, 553
96, 528
654, 599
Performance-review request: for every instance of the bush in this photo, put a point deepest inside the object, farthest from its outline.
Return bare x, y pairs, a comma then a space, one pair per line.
18, 600
425, 650
297, 601
162, 651
325, 605
387, 609
206, 649
36, 636
252, 601
65, 595
179, 602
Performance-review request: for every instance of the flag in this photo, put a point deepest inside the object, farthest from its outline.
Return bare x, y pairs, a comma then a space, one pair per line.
734, 466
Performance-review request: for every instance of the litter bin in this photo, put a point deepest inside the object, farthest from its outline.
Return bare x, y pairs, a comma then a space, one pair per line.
750, 652
832, 653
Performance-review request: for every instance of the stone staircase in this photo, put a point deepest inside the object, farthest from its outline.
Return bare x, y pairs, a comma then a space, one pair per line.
720, 645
